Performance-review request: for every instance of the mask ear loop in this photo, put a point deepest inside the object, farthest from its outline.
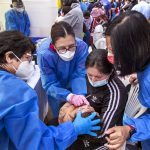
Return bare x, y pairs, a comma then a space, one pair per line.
16, 56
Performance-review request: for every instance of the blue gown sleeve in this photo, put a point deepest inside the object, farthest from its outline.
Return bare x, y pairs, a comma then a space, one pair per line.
26, 130
10, 21
78, 80
27, 27
142, 124
50, 82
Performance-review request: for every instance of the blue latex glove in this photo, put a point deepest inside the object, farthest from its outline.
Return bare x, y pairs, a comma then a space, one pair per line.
86, 125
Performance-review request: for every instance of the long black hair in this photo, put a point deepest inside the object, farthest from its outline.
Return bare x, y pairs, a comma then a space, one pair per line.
130, 40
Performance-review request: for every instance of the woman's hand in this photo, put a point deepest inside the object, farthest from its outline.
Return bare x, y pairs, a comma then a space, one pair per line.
117, 136
133, 79
78, 100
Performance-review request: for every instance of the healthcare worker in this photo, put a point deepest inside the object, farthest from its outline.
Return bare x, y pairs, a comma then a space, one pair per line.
20, 127
62, 63
17, 18
131, 48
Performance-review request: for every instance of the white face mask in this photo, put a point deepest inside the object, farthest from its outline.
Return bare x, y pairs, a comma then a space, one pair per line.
67, 56
21, 10
25, 70
98, 83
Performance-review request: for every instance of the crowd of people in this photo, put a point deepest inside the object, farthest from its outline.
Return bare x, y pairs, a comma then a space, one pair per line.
91, 46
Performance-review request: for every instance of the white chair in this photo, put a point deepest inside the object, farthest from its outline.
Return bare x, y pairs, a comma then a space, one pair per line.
134, 108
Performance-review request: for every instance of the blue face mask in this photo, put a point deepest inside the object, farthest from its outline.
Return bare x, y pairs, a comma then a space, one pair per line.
98, 83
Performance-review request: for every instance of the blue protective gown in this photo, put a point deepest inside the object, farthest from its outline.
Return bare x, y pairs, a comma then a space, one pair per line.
17, 21
142, 124
59, 77
20, 127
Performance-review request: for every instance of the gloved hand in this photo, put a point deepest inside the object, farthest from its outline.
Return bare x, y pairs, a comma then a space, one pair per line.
86, 125
78, 100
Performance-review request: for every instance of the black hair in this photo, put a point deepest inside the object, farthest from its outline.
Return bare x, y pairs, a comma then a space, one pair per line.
112, 24
16, 42
97, 4
17, 3
130, 40
86, 13
98, 59
69, 2
66, 9
61, 29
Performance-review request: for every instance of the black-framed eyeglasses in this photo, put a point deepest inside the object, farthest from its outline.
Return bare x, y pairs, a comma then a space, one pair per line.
63, 50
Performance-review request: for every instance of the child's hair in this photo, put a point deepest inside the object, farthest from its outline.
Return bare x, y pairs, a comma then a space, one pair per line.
86, 14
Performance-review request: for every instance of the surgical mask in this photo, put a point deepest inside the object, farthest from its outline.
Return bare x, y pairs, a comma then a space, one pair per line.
25, 70
20, 10
98, 83
110, 57
67, 56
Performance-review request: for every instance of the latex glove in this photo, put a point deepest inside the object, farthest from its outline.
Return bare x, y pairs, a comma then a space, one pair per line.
86, 125
78, 100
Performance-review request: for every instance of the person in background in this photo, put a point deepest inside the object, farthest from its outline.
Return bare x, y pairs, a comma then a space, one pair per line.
113, 9
62, 63
98, 14
20, 126
64, 11
83, 5
91, 5
132, 56
108, 95
74, 17
88, 19
144, 8
107, 7
17, 18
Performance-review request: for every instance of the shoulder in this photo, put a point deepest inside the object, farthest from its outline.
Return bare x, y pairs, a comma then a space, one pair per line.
116, 84
81, 43
45, 54
43, 47
76, 9
9, 12
144, 77
81, 46
17, 90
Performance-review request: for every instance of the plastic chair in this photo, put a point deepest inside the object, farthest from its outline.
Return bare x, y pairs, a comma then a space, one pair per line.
134, 108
